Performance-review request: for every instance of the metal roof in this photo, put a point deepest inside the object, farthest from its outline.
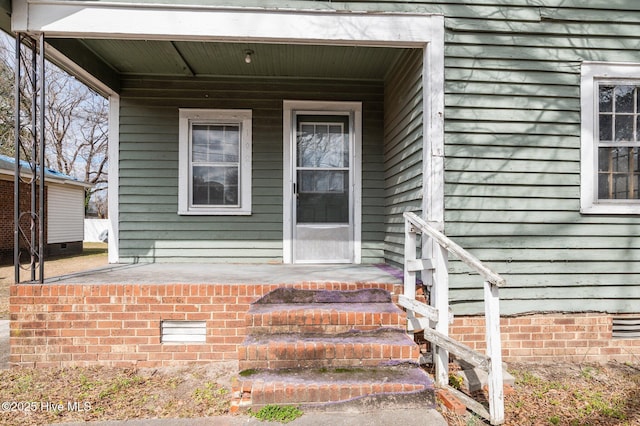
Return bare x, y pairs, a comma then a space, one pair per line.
7, 167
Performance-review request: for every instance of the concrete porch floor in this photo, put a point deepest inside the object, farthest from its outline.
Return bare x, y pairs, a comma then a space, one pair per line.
230, 273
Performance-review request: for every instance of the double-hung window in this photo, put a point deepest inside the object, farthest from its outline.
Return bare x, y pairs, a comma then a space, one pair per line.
215, 162
610, 141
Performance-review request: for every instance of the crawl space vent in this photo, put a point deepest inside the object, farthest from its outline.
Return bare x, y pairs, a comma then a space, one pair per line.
626, 328
184, 331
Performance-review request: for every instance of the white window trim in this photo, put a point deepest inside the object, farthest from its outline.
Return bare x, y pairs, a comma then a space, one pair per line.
592, 72
242, 117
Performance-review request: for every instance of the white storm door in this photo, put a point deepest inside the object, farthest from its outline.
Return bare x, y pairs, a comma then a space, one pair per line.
322, 187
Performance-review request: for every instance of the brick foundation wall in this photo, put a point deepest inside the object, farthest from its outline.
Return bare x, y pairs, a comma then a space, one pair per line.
56, 325
119, 325
581, 337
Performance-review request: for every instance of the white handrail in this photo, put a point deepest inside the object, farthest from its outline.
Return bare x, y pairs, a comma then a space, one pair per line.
437, 326
455, 249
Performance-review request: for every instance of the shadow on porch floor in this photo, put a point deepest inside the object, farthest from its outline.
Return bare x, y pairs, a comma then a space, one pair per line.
231, 273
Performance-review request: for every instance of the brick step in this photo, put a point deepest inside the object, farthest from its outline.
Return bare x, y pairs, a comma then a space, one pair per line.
322, 317
354, 348
292, 296
401, 384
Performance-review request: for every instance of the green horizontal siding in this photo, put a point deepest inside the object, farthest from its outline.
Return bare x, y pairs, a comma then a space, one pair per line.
512, 128
402, 149
512, 145
150, 228
513, 158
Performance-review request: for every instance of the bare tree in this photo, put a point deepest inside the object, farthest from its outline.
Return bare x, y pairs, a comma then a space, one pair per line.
76, 120
7, 98
76, 127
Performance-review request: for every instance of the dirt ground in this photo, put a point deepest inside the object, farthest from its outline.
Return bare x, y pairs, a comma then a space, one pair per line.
544, 394
569, 394
94, 256
43, 396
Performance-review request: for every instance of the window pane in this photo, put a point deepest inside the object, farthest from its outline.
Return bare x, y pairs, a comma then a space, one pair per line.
624, 127
606, 127
618, 120
620, 187
199, 144
231, 146
215, 185
603, 159
618, 172
606, 99
624, 98
603, 186
215, 144
620, 160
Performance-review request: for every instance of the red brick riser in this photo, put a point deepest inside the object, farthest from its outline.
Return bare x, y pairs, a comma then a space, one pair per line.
119, 325
55, 325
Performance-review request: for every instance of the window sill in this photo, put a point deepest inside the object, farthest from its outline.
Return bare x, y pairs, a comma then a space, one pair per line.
630, 209
235, 212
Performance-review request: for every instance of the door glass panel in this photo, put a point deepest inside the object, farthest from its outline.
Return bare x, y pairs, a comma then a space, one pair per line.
323, 196
322, 169
322, 143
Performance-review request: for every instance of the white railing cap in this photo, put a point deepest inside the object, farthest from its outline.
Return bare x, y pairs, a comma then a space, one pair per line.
453, 248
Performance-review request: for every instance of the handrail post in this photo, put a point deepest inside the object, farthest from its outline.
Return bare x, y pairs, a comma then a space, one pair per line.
437, 246
492, 330
439, 299
409, 254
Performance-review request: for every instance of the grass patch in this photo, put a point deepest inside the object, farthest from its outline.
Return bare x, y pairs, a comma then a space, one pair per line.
595, 403
455, 381
277, 413
120, 384
210, 392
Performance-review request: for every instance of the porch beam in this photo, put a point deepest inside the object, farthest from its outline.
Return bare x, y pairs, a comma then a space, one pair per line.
5, 15
180, 22
74, 57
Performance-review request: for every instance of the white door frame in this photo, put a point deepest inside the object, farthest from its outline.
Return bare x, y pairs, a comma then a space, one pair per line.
355, 156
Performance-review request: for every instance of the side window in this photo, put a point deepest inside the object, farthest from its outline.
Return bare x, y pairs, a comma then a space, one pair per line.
215, 162
610, 140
